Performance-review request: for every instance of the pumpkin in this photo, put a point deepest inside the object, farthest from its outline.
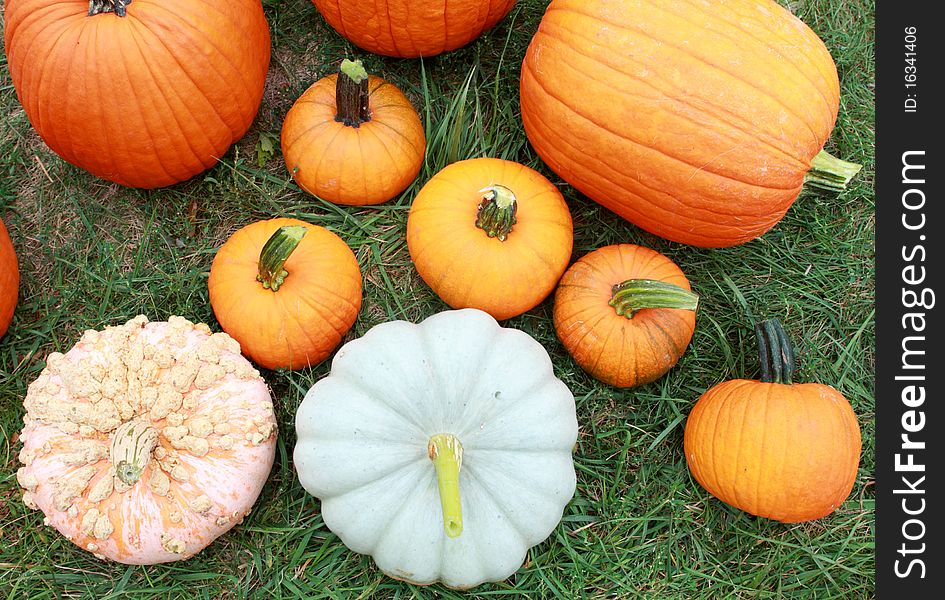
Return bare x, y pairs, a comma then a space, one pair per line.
490, 234
412, 28
9, 279
286, 290
146, 441
698, 122
145, 93
774, 448
625, 313
442, 449
353, 139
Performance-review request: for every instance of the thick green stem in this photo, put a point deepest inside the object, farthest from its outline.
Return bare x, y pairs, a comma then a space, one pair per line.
496, 213
132, 444
447, 455
278, 248
352, 97
829, 173
108, 6
775, 352
636, 294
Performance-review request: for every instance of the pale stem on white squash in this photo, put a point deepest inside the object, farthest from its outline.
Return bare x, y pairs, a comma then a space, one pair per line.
277, 249
496, 212
132, 444
446, 453
830, 173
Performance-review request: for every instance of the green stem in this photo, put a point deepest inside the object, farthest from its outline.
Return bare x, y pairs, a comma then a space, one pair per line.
775, 352
352, 95
278, 248
496, 213
132, 444
636, 294
447, 455
828, 172
107, 6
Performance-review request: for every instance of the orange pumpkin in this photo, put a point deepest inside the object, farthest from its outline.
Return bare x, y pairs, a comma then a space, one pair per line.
353, 139
773, 448
625, 313
412, 28
698, 122
490, 234
286, 290
145, 93
9, 279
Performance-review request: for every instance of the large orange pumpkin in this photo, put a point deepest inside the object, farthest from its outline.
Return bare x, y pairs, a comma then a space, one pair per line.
353, 139
9, 279
490, 234
286, 290
145, 93
412, 28
773, 448
625, 313
696, 121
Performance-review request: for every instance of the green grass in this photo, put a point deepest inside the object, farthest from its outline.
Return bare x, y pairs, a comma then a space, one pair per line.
93, 254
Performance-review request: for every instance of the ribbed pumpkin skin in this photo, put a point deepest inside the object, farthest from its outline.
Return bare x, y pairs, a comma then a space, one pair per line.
785, 452
696, 121
9, 279
367, 164
145, 100
304, 321
412, 28
469, 269
620, 351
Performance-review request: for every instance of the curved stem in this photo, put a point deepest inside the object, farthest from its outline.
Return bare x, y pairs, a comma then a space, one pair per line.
132, 444
351, 94
106, 6
775, 352
828, 172
446, 453
636, 294
278, 248
496, 213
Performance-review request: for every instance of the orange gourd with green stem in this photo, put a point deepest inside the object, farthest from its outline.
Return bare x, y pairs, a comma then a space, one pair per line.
771, 447
353, 138
286, 290
698, 122
490, 234
625, 313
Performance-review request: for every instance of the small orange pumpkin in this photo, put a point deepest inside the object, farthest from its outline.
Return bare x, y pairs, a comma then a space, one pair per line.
145, 93
697, 121
625, 313
412, 28
353, 139
490, 234
286, 290
773, 448
9, 279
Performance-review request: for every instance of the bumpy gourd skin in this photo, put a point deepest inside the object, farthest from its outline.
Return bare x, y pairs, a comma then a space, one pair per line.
146, 441
364, 435
412, 28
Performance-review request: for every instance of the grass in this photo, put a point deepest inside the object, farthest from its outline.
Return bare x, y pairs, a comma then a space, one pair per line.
93, 254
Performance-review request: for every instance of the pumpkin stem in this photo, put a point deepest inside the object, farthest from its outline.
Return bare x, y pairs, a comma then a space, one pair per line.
496, 213
775, 352
107, 6
351, 94
636, 294
828, 172
275, 252
446, 453
132, 444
